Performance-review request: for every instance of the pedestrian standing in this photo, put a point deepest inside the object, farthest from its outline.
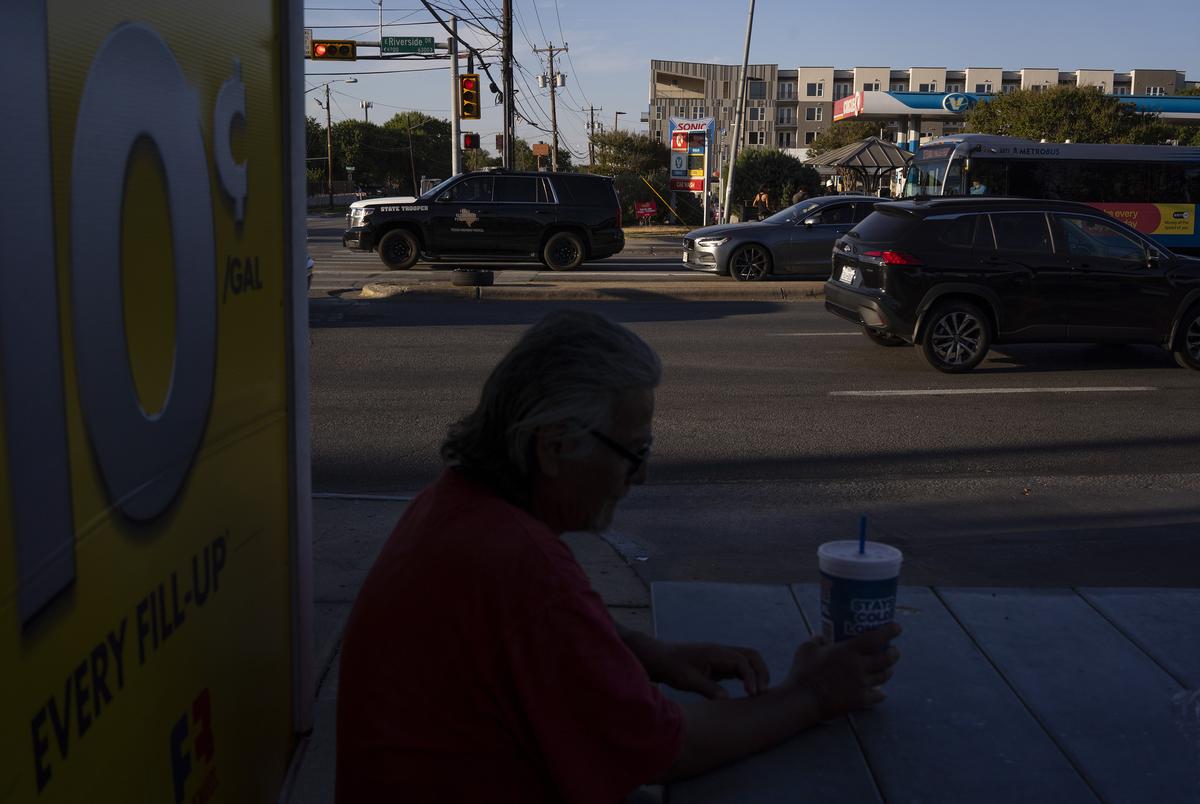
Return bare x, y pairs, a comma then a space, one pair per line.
761, 203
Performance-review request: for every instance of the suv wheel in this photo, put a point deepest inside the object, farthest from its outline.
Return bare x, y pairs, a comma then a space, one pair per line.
956, 338
884, 338
750, 263
563, 252
399, 250
1187, 342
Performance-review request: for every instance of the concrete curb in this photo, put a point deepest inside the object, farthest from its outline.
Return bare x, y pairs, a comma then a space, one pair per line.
699, 290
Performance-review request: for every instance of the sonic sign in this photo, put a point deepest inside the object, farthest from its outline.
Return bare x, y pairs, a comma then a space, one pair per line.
149, 413
691, 141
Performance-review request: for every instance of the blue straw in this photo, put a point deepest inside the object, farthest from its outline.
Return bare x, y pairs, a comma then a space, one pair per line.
862, 534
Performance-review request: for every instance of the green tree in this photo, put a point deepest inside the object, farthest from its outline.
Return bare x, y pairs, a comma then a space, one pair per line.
782, 175
478, 159
1192, 90
314, 148
424, 143
1079, 114
626, 152
525, 160
841, 133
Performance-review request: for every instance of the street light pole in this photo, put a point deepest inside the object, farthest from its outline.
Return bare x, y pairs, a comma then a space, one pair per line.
615, 119
737, 119
328, 147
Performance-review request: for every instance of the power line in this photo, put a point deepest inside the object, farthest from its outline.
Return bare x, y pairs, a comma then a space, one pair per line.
384, 72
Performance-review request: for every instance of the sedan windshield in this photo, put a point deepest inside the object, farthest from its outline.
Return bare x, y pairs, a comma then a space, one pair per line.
796, 212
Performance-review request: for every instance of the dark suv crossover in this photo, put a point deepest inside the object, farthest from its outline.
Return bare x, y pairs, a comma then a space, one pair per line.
561, 219
956, 275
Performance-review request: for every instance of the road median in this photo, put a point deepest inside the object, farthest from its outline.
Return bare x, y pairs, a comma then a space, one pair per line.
694, 290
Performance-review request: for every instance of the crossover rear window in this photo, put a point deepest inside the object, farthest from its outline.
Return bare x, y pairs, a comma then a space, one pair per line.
885, 227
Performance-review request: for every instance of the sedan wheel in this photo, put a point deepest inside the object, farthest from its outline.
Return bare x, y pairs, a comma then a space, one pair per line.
750, 263
957, 337
1187, 342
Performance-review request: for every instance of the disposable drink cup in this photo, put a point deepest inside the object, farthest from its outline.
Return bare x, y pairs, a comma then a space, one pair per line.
858, 590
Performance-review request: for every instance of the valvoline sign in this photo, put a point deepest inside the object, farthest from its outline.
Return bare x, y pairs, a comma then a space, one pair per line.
958, 102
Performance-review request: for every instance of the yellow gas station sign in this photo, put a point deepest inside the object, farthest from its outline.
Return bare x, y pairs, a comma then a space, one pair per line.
149, 419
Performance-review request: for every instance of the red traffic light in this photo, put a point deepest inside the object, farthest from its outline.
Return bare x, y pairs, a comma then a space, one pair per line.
468, 96
470, 141
339, 49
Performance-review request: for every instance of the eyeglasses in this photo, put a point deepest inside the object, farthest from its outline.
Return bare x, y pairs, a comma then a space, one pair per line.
636, 459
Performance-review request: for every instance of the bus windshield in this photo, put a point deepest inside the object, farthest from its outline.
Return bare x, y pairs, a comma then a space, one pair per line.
927, 177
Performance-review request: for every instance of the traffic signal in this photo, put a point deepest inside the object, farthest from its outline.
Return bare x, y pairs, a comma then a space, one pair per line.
468, 96
470, 141
334, 49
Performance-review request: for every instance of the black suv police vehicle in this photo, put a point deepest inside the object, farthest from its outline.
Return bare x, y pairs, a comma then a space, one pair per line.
956, 275
561, 219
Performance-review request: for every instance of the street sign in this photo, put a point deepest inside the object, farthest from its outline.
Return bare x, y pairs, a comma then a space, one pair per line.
406, 44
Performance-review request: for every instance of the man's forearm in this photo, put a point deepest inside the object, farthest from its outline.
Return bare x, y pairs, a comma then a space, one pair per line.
641, 644
717, 732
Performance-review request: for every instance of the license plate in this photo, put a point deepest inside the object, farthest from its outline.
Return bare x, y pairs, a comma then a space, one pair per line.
848, 274
686, 254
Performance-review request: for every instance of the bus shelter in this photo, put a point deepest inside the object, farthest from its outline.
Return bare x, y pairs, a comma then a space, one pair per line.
865, 164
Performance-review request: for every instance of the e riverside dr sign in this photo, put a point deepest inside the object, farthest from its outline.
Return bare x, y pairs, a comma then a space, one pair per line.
406, 44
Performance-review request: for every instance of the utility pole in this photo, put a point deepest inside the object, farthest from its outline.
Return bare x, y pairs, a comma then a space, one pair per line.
551, 50
328, 147
737, 120
455, 111
592, 133
509, 106
366, 107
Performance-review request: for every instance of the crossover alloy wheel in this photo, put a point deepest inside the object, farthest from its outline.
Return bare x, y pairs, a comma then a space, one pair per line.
1187, 343
957, 337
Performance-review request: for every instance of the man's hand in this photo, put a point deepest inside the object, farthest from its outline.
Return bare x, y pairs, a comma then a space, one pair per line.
697, 666
848, 675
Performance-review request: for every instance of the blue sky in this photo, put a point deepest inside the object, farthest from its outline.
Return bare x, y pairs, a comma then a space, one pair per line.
612, 42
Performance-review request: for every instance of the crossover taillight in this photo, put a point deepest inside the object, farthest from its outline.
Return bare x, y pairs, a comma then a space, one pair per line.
893, 257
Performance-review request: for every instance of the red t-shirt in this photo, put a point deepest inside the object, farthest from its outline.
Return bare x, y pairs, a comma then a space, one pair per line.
479, 665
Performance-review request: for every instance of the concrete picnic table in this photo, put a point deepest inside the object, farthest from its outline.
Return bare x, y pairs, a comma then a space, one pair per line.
1002, 695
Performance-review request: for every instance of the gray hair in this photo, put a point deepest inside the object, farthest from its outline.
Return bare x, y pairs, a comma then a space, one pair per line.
567, 369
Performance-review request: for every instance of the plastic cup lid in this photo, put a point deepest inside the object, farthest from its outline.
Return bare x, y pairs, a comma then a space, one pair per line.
842, 560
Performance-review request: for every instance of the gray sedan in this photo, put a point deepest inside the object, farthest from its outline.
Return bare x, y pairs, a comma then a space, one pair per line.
797, 240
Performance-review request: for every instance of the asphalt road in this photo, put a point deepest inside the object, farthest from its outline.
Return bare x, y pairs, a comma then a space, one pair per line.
778, 426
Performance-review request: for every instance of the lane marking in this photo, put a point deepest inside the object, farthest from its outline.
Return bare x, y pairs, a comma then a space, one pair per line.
332, 495
966, 391
809, 334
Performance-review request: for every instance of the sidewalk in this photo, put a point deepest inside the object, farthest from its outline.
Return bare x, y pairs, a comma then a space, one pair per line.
348, 533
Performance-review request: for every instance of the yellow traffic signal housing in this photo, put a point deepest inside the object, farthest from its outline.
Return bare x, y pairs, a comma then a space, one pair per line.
468, 96
334, 49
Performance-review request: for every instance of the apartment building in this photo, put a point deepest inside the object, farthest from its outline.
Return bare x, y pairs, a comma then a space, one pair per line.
788, 108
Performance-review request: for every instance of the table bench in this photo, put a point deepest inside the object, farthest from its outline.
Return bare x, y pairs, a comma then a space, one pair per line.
1011, 696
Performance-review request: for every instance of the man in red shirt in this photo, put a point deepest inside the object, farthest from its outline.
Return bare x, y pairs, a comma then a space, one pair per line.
479, 665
